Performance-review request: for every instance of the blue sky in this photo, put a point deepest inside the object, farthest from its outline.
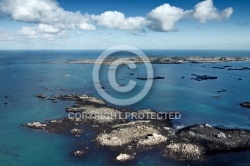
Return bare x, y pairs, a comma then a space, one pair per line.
154, 24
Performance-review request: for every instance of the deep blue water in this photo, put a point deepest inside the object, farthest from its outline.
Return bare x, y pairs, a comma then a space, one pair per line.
24, 74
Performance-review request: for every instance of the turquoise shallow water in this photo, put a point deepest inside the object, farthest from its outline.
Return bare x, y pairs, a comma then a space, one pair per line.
24, 74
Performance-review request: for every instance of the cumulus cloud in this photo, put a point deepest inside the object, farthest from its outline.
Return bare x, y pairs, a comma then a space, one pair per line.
164, 17
47, 12
206, 11
48, 28
42, 31
29, 32
117, 20
52, 20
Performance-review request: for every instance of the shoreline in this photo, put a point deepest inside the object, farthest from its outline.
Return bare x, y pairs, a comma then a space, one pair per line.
160, 60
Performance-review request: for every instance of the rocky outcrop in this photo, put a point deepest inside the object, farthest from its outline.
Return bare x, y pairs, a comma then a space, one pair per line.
76, 131
154, 78
41, 96
203, 77
137, 133
36, 125
124, 157
184, 151
78, 153
243, 68
245, 104
215, 140
152, 139
222, 90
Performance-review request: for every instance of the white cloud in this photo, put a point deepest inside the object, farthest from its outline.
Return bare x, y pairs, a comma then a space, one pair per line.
206, 11
48, 28
29, 32
117, 20
41, 31
164, 17
46, 12
4, 35
51, 20
226, 13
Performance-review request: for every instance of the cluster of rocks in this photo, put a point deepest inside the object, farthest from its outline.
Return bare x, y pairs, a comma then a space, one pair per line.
128, 137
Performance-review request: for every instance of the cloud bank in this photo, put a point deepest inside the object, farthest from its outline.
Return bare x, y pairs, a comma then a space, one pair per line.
50, 19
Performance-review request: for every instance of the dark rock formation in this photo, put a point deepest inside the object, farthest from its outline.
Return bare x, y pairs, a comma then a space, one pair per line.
245, 104
215, 140
222, 90
203, 77
145, 78
243, 68
41, 96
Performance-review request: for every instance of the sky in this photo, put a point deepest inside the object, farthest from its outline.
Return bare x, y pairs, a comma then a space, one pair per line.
100, 24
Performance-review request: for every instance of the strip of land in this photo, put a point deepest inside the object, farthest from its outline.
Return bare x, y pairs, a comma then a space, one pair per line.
159, 60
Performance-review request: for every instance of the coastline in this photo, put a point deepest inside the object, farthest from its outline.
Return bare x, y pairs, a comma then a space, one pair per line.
161, 60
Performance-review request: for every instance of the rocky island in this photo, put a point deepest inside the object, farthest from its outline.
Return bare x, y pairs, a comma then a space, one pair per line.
127, 136
165, 60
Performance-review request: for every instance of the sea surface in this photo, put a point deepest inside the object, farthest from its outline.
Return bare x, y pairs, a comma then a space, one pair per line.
24, 74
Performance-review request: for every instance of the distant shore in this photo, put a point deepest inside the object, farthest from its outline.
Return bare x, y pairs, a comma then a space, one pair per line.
160, 60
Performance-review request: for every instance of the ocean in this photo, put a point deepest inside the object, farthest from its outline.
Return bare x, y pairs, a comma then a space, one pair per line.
23, 74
